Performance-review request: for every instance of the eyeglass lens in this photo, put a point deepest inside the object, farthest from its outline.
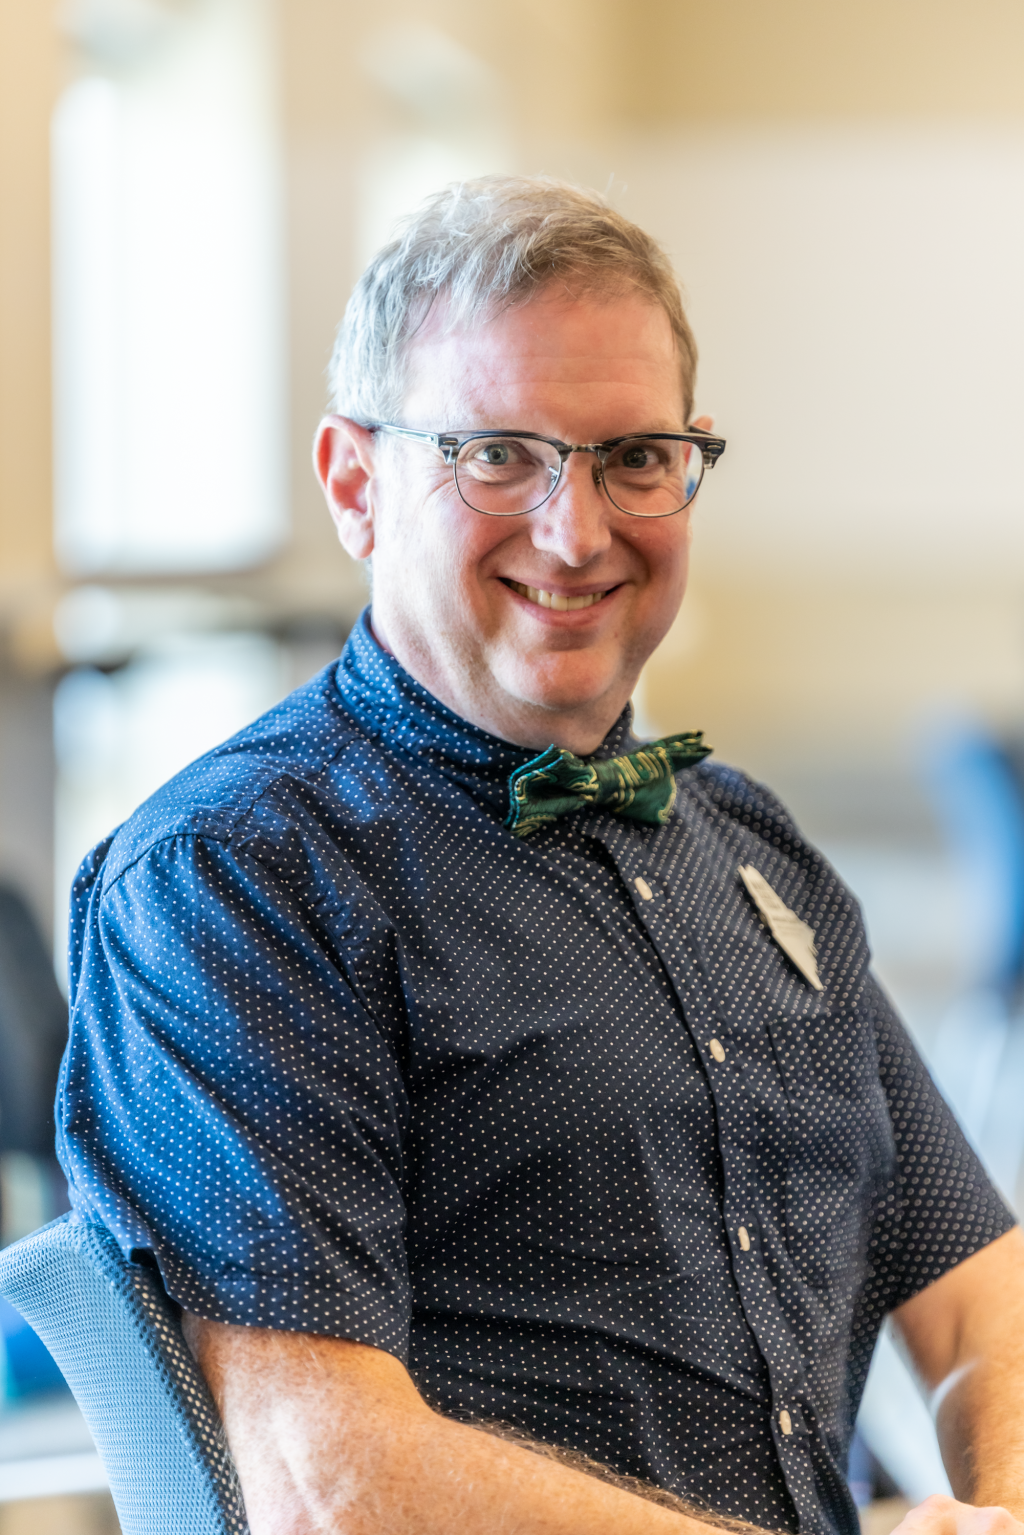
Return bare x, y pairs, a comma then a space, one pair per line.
647, 477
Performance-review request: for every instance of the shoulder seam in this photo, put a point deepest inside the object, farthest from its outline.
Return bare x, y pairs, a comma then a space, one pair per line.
191, 824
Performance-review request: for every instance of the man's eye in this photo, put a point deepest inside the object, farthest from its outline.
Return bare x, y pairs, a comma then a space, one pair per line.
641, 458
497, 454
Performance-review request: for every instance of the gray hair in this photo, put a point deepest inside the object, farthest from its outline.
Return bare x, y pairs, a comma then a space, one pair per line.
484, 246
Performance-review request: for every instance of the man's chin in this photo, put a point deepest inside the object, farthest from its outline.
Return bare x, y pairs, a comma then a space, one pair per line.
562, 693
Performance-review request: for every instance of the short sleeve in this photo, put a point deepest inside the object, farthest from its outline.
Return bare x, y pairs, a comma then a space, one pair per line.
941, 1206
228, 1101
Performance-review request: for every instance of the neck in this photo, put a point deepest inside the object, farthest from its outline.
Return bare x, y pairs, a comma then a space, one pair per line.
579, 728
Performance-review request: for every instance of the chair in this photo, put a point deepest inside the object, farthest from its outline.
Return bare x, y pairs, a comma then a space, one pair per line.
117, 1338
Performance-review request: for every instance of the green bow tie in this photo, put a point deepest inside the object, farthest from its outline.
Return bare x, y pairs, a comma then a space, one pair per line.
640, 786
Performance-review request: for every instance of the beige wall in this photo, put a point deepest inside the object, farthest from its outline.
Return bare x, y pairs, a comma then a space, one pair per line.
28, 82
573, 66
851, 58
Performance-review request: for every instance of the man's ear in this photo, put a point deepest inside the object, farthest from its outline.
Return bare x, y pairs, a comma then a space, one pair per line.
344, 464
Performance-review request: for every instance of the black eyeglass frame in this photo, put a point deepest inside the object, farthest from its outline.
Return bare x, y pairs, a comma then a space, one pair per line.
450, 445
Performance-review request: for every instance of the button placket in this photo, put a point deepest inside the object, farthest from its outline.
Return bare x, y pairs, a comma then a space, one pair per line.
760, 1302
685, 967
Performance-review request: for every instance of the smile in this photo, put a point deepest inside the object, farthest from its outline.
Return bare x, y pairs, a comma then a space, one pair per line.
554, 600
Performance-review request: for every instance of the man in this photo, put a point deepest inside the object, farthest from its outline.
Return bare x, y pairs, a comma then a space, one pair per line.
462, 1065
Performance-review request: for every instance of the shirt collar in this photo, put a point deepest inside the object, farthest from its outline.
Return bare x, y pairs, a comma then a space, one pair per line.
395, 709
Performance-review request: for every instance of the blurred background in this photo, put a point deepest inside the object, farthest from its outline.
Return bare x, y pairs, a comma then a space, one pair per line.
188, 189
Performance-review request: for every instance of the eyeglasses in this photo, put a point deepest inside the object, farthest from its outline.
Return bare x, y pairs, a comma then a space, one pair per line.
503, 474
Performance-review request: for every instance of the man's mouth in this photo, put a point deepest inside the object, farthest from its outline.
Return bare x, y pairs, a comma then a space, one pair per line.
555, 600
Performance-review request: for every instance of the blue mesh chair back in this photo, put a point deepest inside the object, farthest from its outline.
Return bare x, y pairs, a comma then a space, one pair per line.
117, 1339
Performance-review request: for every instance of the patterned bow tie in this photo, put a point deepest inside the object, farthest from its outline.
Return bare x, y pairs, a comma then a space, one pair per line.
640, 786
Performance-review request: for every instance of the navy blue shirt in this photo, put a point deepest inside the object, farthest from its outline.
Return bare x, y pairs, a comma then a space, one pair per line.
555, 1121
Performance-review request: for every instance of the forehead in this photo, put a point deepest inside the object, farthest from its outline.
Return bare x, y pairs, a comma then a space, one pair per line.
609, 359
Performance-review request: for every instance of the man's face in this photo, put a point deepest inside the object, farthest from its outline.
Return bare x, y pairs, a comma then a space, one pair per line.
449, 582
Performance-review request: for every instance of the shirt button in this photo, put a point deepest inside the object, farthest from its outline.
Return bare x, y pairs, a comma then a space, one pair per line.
643, 889
744, 1237
716, 1049
785, 1422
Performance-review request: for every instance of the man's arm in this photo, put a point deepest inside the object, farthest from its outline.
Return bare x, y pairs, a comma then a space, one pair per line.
332, 1436
965, 1337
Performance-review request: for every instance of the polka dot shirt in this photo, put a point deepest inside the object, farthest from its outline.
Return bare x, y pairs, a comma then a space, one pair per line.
554, 1120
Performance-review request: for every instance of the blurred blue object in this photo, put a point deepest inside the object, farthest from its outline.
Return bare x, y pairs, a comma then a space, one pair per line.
976, 793
859, 1471
976, 1052
977, 1057
30, 1368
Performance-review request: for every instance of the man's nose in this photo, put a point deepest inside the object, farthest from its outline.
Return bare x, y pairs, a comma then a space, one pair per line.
574, 522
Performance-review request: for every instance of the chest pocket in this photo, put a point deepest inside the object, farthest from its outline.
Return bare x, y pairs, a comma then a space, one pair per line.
842, 1149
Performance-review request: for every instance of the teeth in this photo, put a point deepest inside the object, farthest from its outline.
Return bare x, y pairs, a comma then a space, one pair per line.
554, 600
